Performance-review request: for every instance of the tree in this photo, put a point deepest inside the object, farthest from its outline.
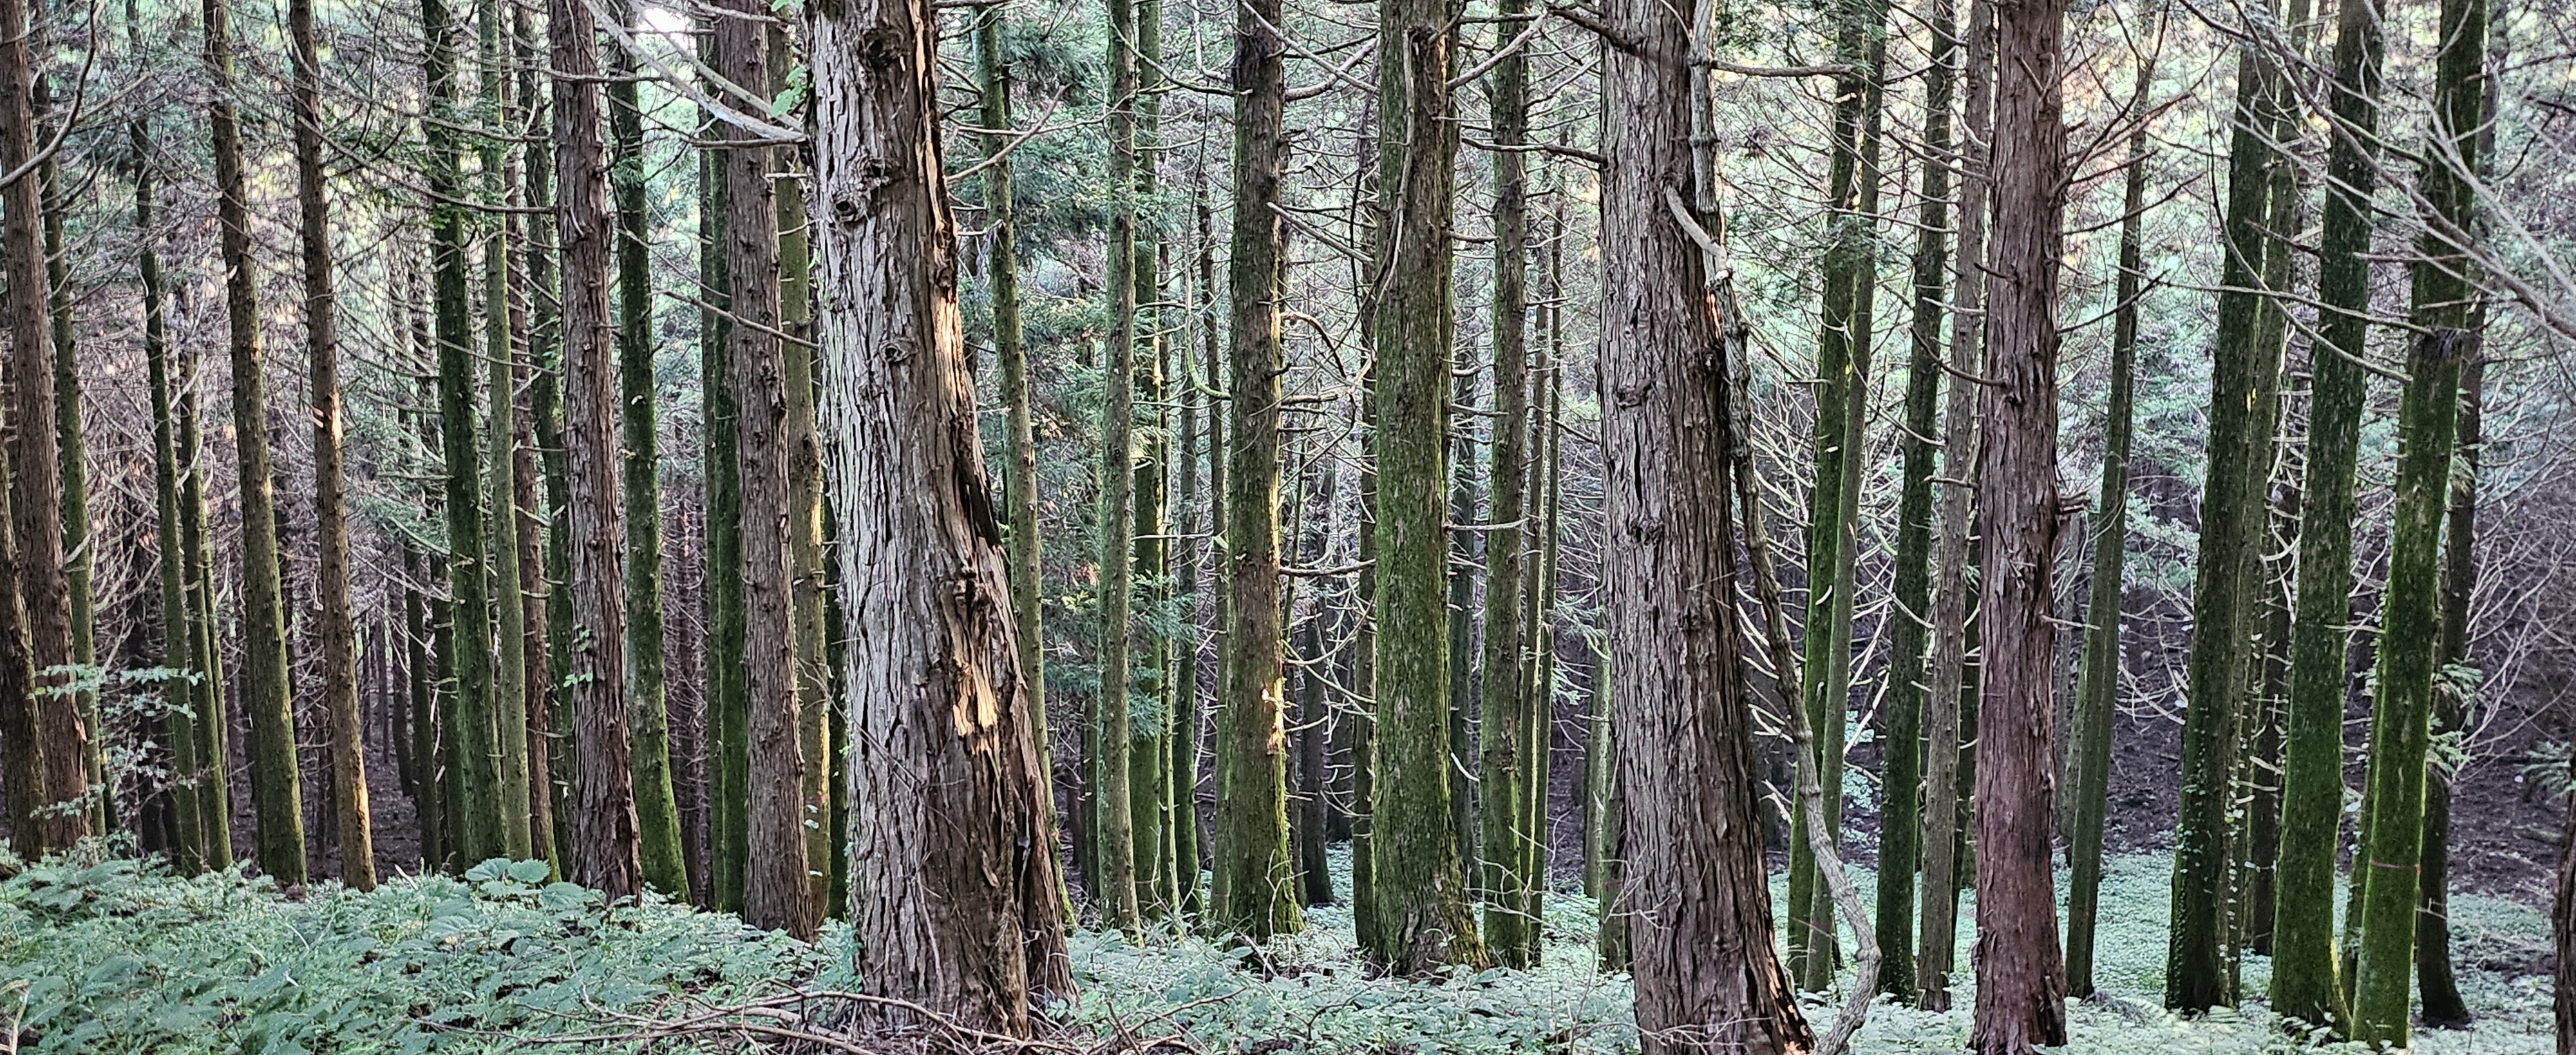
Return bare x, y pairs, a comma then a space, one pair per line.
276, 786
2437, 981
71, 450
1900, 830
1943, 702
501, 326
1255, 887
728, 719
2021, 982
656, 811
604, 854
1420, 900
1505, 746
2428, 411
1020, 475
1116, 819
954, 914
59, 747
2244, 386
1691, 840
2305, 961
184, 694
2098, 683
806, 581
339, 635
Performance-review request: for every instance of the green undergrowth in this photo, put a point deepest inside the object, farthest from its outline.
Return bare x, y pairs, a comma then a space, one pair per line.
118, 957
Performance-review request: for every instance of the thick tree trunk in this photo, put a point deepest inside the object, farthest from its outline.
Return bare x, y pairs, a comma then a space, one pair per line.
2098, 682
956, 912
1694, 896
1255, 885
1505, 746
604, 847
60, 746
2021, 981
71, 449
2305, 962
1420, 899
339, 674
276, 787
1944, 724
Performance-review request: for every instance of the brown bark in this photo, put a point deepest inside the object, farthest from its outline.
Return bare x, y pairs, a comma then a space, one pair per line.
775, 892
36, 515
956, 899
1706, 974
605, 853
2021, 981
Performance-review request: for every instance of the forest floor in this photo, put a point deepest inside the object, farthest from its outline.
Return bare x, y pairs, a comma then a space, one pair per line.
115, 958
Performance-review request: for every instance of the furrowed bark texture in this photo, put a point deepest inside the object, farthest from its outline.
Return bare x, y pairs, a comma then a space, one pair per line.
956, 890
1505, 743
1116, 894
1694, 895
603, 830
2021, 980
776, 893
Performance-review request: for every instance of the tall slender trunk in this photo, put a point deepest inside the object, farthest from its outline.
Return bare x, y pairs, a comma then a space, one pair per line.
71, 454
1943, 722
2243, 388
276, 785
500, 354
1116, 893
1221, 578
727, 698
1314, 715
2443, 311
2021, 980
2305, 961
1850, 276
339, 675
1900, 838
1505, 745
776, 892
957, 917
2098, 683
538, 439
657, 812
1693, 896
2437, 981
805, 509
605, 854
60, 745
1182, 769
1020, 476
1148, 788
186, 690
1420, 902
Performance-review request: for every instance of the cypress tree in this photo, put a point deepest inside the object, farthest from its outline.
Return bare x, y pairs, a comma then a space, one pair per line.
186, 691
1115, 831
1506, 746
726, 693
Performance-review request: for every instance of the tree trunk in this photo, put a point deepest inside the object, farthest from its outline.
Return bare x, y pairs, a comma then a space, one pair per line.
276, 787
339, 675
184, 693
1149, 747
1182, 769
605, 854
2305, 962
1420, 901
727, 698
1020, 475
1255, 886
1944, 724
71, 452
656, 809
60, 746
1694, 896
2021, 981
955, 913
1900, 836
1504, 743
2437, 981
2098, 683
1116, 894
1314, 708
501, 544
534, 375
2243, 388
2409, 645
805, 507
